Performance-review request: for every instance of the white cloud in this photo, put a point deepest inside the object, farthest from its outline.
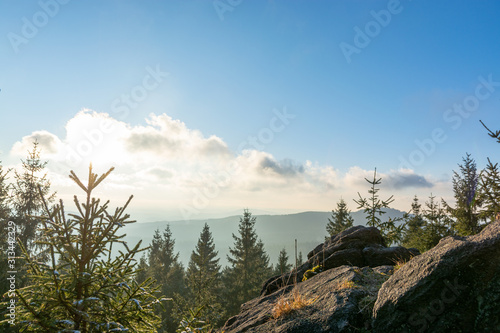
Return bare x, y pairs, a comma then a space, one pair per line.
405, 178
48, 143
160, 173
166, 164
355, 177
394, 179
170, 138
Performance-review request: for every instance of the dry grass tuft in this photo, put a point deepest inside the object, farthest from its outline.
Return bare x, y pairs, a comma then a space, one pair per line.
346, 284
286, 305
398, 263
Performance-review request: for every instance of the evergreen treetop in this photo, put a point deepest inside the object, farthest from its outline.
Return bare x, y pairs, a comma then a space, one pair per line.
373, 208
4, 194
205, 256
168, 272
204, 280
414, 224
82, 288
282, 266
161, 253
489, 186
249, 264
427, 225
29, 188
341, 219
467, 200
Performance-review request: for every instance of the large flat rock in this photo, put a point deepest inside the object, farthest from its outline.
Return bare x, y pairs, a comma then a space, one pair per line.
454, 287
340, 303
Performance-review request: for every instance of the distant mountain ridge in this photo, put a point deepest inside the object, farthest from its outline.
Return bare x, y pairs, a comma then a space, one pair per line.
276, 231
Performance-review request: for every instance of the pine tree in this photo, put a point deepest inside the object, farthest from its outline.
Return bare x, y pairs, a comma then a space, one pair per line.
204, 280
490, 192
465, 185
4, 194
249, 265
142, 270
282, 266
341, 219
300, 260
27, 192
168, 272
414, 225
81, 287
437, 224
426, 227
490, 185
373, 208
5, 213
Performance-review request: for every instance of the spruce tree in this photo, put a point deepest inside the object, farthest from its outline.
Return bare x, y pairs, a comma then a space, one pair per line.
27, 192
82, 288
490, 185
426, 226
142, 270
168, 272
341, 219
249, 265
300, 260
465, 188
203, 278
4, 195
490, 192
438, 224
414, 226
5, 212
373, 208
282, 266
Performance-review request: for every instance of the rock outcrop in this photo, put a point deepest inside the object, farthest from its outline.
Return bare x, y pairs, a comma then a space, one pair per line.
454, 287
357, 246
337, 300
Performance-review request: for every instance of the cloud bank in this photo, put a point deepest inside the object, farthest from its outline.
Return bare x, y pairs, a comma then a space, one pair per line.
165, 163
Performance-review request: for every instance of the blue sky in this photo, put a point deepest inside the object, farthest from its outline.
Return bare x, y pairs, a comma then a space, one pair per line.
184, 84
